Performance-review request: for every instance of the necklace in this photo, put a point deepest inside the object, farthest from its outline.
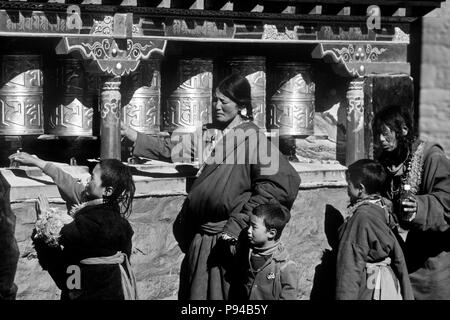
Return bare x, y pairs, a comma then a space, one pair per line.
414, 167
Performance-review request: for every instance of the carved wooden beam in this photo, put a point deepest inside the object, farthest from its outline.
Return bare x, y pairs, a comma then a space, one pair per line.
357, 59
116, 53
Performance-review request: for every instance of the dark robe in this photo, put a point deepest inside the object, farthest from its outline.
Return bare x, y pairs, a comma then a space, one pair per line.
97, 231
427, 246
366, 237
220, 200
9, 251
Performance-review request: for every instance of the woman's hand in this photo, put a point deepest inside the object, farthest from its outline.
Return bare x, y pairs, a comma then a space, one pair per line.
126, 131
230, 243
409, 208
28, 159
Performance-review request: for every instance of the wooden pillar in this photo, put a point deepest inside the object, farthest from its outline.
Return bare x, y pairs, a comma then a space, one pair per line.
110, 110
355, 148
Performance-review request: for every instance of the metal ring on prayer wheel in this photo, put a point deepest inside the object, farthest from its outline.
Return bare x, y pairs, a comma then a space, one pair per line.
21, 95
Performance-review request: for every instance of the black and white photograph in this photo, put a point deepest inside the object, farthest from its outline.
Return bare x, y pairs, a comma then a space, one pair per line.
224, 155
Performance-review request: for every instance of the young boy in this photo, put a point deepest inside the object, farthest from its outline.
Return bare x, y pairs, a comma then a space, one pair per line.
370, 262
266, 272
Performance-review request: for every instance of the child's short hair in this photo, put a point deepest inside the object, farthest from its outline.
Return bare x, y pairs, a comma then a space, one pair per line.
369, 173
274, 215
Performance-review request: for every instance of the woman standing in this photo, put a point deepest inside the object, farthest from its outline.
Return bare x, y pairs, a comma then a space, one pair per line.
424, 211
233, 179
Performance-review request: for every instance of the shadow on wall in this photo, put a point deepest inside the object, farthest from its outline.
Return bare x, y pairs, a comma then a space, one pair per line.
324, 277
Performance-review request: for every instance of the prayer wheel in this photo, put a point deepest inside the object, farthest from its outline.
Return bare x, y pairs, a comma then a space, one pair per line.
291, 107
92, 97
354, 105
143, 91
110, 110
70, 116
189, 105
254, 69
21, 95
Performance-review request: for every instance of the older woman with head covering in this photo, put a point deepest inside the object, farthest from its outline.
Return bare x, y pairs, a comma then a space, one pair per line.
235, 176
424, 211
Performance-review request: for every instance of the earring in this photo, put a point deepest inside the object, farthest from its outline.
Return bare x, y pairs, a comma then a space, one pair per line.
243, 112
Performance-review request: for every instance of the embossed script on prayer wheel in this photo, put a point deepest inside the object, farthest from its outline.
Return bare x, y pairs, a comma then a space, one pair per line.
254, 69
21, 95
69, 116
143, 91
189, 105
291, 107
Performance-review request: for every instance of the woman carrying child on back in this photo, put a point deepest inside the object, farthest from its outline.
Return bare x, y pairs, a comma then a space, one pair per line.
90, 258
370, 262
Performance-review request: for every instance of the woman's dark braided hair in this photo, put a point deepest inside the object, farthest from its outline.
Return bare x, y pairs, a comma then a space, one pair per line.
238, 89
118, 176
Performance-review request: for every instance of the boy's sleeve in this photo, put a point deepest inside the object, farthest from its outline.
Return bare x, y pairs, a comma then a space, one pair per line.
350, 264
71, 190
289, 281
352, 257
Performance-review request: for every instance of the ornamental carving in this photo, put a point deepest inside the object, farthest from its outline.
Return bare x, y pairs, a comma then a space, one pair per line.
359, 53
111, 58
352, 56
271, 33
355, 106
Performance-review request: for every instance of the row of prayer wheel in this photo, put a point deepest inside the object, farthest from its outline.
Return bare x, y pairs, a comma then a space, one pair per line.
290, 107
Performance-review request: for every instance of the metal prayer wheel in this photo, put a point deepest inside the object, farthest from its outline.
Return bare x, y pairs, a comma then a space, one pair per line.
143, 91
92, 92
254, 69
21, 95
189, 105
291, 107
354, 104
70, 116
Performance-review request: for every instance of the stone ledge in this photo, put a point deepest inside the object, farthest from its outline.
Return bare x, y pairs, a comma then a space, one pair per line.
154, 179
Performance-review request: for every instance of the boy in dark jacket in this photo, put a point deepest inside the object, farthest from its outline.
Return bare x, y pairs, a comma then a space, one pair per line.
267, 272
370, 262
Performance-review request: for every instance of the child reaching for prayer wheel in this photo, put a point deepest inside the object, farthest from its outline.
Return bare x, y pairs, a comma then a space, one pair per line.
91, 257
